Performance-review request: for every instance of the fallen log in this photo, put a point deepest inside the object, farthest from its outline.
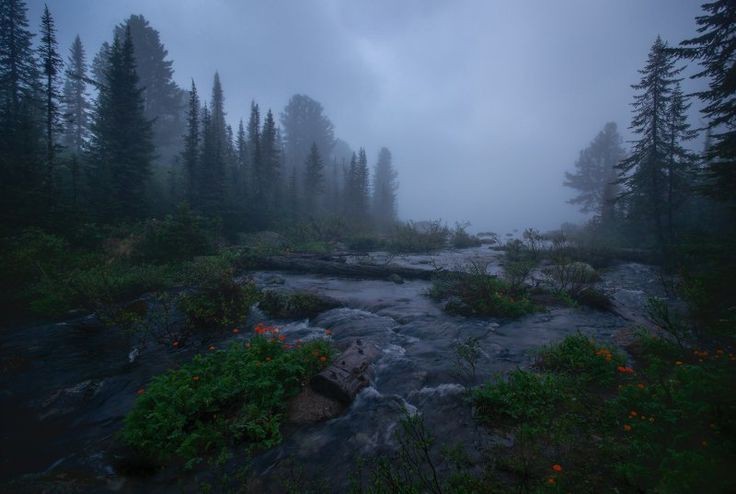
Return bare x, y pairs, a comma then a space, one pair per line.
334, 268
347, 375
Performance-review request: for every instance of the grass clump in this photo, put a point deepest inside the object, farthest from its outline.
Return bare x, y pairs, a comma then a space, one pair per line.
226, 397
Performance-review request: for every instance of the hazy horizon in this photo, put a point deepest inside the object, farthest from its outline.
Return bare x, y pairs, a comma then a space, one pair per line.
485, 104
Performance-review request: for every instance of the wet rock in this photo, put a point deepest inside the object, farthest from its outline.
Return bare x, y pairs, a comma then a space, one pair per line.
396, 279
67, 400
347, 374
309, 407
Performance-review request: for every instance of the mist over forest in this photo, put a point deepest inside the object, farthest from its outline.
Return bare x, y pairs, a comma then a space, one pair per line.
367, 246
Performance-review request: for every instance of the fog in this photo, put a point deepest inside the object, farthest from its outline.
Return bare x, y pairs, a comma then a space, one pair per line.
483, 104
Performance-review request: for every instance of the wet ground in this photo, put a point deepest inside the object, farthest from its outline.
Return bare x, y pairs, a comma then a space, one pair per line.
65, 388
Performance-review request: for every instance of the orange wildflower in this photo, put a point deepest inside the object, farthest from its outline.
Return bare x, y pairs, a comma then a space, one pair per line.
175, 344
236, 331
627, 427
140, 391
633, 413
678, 362
641, 385
328, 332
268, 359
323, 359
551, 481
556, 467
212, 347
282, 337
195, 378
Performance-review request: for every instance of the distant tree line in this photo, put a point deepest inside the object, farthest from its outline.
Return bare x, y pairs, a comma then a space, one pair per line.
660, 191
117, 140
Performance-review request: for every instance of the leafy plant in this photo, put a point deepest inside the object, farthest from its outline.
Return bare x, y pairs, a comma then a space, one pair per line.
223, 398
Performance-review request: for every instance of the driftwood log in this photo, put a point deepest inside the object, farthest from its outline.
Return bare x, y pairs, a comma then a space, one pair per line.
335, 268
347, 374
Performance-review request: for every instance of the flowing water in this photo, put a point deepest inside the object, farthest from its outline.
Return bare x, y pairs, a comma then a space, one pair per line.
65, 388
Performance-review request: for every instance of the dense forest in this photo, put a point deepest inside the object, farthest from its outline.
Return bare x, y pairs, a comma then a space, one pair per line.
194, 305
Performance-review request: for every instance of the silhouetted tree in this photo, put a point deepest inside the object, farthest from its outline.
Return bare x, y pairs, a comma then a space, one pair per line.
313, 181
75, 100
303, 122
163, 100
190, 155
51, 68
21, 173
715, 49
121, 147
595, 174
644, 171
384, 190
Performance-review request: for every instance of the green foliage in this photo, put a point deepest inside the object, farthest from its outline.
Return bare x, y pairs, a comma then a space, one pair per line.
476, 293
281, 305
580, 356
223, 398
218, 302
413, 237
664, 426
461, 239
176, 238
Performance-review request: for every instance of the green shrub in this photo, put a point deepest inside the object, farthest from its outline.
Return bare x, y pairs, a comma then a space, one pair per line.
218, 302
365, 243
294, 305
476, 293
579, 356
461, 239
418, 237
522, 397
222, 398
175, 238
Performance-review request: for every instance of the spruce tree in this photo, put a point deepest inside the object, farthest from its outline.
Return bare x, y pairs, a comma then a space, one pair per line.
644, 170
21, 176
75, 100
304, 122
214, 153
680, 161
715, 49
164, 101
121, 148
270, 164
384, 190
190, 155
254, 152
241, 150
595, 174
51, 68
362, 186
313, 181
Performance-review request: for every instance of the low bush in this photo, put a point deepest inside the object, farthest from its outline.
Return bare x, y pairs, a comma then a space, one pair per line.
590, 423
281, 305
218, 301
461, 239
418, 237
475, 293
226, 397
175, 238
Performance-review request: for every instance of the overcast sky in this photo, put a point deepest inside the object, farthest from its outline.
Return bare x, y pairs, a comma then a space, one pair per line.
484, 104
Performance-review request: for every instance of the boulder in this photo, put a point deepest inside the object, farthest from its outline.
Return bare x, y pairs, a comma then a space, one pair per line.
348, 374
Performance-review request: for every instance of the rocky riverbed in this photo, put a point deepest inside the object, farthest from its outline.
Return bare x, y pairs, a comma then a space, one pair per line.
65, 387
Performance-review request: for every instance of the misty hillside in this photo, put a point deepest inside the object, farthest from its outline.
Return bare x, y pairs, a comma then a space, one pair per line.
367, 247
